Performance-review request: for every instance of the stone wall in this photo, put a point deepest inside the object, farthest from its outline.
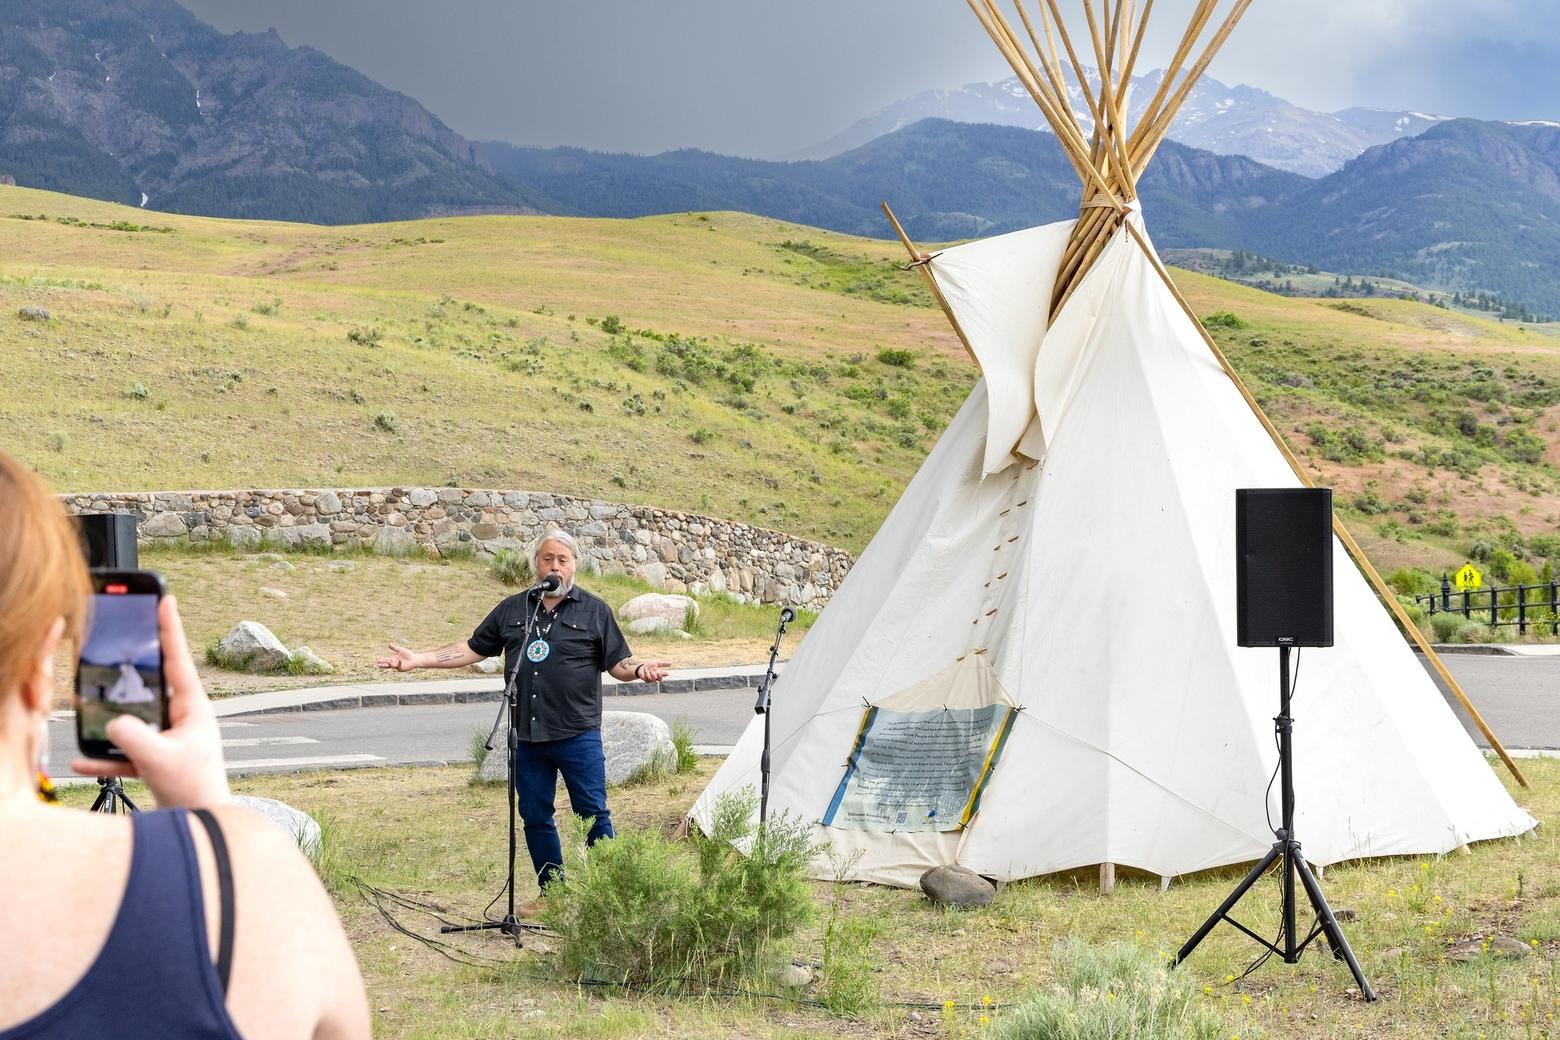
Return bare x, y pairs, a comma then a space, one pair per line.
676, 551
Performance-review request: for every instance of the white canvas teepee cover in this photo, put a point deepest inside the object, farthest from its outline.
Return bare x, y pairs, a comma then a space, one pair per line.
1099, 581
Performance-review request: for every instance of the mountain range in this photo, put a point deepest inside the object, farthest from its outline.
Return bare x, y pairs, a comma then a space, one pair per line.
1227, 120
138, 101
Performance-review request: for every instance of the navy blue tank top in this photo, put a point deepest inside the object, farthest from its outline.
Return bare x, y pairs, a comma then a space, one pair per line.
153, 979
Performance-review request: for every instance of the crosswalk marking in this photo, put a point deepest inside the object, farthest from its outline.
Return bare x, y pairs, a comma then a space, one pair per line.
299, 763
264, 741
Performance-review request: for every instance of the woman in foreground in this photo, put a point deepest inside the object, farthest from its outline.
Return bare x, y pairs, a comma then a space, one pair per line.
116, 925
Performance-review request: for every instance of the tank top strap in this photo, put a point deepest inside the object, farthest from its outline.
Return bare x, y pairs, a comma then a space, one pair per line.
153, 978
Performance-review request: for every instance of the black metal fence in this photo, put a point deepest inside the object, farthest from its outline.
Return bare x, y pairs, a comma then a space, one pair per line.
1520, 605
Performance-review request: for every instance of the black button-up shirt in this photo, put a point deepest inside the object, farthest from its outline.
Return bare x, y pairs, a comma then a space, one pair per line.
559, 696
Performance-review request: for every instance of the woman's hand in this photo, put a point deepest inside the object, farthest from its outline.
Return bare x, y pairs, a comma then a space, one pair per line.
182, 764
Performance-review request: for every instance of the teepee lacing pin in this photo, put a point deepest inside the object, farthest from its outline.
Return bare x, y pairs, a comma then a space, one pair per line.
921, 261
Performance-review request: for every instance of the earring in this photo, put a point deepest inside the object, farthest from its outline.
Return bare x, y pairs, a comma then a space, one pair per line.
46, 792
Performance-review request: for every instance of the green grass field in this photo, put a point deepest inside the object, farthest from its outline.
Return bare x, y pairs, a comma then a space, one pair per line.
721, 363
430, 835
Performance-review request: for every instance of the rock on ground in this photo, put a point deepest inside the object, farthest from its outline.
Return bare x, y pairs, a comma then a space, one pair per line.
652, 626
488, 666
631, 740
298, 825
252, 647
653, 604
313, 663
957, 886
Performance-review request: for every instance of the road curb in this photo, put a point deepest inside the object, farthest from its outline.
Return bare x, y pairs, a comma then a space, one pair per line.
699, 684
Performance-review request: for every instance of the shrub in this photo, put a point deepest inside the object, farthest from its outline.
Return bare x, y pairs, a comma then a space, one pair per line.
638, 910
385, 421
701, 436
1448, 628
1114, 991
1415, 611
1501, 563
610, 325
139, 392
1225, 320
682, 746
1411, 581
894, 358
847, 980
1370, 501
512, 567
365, 337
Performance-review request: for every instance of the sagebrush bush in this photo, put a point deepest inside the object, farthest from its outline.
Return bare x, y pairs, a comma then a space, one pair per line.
1111, 992
1413, 581
1448, 628
512, 567
639, 910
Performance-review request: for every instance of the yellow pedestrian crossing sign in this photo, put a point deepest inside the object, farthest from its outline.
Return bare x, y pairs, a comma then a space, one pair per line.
1468, 578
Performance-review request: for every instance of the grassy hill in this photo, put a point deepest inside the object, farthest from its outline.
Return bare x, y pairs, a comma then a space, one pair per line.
719, 362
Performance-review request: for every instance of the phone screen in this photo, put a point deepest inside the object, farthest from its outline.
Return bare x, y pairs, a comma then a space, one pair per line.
121, 668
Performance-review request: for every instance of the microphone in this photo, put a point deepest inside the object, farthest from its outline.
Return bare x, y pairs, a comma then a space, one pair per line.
548, 584
787, 615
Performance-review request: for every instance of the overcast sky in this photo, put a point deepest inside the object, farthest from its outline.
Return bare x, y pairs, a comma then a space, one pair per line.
769, 78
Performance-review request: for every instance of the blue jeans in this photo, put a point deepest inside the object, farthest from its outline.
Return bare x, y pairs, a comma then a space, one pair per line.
537, 765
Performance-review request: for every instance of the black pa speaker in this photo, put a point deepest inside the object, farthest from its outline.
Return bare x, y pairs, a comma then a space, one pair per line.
1283, 567
109, 539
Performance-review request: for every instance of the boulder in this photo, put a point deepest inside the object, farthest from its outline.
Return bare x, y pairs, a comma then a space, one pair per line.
394, 541
957, 886
165, 525
251, 647
655, 605
651, 573
313, 663
494, 768
1501, 947
266, 590
33, 314
488, 666
243, 537
652, 626
328, 504
633, 740
295, 823
309, 534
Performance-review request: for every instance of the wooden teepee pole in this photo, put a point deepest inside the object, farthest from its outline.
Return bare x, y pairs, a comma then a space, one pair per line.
1355, 552
919, 259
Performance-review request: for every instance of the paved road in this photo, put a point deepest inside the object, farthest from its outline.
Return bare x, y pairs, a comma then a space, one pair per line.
419, 733
1518, 696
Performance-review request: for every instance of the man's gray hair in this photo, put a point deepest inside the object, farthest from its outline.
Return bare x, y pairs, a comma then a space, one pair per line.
563, 538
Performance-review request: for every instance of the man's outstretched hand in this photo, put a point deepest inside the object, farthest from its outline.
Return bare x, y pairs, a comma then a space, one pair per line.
400, 659
654, 671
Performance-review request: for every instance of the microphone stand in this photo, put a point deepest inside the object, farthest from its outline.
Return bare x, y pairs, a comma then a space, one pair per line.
510, 925
787, 615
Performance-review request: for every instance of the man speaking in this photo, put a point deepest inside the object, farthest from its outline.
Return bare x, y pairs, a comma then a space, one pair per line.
573, 639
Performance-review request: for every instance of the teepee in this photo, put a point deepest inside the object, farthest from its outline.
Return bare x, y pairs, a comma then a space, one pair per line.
1033, 665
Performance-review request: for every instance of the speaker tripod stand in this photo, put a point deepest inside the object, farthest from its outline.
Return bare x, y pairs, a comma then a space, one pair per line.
1286, 850
112, 798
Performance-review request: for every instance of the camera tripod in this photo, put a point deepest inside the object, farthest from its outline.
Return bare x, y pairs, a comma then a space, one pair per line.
112, 798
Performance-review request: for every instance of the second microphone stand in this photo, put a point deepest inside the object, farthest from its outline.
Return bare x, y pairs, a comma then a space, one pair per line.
787, 615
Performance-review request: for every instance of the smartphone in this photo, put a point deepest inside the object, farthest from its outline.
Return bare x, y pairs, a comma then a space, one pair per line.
120, 671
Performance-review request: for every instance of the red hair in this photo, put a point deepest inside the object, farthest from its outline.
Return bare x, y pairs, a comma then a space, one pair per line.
43, 575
